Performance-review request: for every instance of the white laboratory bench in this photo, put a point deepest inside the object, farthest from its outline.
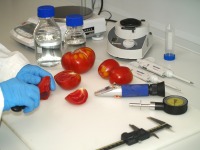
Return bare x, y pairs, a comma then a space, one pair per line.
57, 124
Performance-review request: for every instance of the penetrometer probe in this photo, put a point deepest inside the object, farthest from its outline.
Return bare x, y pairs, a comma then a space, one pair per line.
174, 105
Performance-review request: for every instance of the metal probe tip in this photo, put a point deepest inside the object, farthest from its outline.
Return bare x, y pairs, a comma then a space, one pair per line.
182, 79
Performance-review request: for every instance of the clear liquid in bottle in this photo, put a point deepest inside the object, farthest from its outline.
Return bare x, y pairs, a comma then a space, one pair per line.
47, 37
75, 43
74, 36
48, 50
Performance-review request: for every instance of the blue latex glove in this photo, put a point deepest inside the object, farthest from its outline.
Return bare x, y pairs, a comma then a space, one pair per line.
19, 93
33, 74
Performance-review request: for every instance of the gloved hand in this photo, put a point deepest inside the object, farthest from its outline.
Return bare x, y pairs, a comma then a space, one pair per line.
33, 74
19, 93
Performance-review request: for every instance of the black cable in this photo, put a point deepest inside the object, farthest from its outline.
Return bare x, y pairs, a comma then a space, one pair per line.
108, 13
101, 8
110, 20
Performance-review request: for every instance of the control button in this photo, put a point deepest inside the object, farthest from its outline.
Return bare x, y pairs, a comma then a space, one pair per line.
128, 43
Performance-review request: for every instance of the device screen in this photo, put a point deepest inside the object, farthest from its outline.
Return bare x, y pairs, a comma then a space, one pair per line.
26, 29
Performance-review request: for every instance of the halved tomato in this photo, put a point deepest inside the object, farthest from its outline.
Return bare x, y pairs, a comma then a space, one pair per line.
67, 79
77, 97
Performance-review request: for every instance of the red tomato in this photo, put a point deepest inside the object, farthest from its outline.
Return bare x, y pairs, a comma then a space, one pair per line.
121, 75
44, 87
106, 66
80, 61
67, 79
77, 97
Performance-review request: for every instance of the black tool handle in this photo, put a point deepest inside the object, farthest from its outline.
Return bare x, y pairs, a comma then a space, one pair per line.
17, 108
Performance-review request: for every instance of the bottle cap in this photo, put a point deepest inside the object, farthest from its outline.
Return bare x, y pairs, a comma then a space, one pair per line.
169, 56
46, 11
74, 20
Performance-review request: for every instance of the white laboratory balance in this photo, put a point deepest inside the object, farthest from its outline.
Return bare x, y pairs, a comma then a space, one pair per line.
129, 39
93, 25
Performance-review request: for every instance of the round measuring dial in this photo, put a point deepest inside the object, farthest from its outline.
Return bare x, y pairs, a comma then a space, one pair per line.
175, 105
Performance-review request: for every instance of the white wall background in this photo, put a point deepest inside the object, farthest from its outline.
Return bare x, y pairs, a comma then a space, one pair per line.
184, 15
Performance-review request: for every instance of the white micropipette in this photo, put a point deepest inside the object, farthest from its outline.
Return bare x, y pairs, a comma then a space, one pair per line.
159, 70
148, 77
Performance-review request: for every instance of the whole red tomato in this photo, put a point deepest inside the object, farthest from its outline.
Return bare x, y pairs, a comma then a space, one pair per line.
106, 66
77, 97
121, 75
44, 87
80, 61
67, 79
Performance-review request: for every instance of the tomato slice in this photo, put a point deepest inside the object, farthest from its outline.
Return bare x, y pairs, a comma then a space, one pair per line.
44, 87
67, 79
77, 97
121, 75
106, 66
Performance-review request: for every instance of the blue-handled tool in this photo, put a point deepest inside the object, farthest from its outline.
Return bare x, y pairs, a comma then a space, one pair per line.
133, 90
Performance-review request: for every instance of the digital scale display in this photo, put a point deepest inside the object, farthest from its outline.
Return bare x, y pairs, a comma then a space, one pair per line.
26, 30
89, 31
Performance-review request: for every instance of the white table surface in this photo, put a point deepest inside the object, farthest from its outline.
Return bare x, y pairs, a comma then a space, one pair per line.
57, 124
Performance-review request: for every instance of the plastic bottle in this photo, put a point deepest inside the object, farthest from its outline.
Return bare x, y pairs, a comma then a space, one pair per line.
74, 37
169, 44
47, 36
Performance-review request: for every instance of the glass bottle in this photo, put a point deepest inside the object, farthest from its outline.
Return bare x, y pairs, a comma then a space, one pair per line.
47, 37
74, 37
